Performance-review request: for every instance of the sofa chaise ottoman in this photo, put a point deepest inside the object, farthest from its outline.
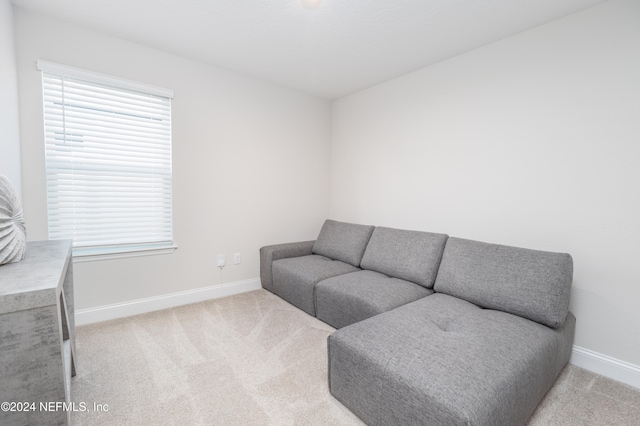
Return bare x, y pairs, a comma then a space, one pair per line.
483, 350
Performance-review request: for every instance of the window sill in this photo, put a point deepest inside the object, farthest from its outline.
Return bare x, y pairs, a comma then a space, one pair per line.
81, 255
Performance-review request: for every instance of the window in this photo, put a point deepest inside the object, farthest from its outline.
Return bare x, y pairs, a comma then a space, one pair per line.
108, 161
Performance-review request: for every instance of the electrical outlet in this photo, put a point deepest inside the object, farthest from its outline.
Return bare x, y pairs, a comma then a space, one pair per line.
236, 258
221, 260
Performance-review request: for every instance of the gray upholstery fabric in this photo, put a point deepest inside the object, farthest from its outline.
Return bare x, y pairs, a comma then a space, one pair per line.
294, 278
443, 361
342, 241
349, 298
279, 251
529, 283
409, 255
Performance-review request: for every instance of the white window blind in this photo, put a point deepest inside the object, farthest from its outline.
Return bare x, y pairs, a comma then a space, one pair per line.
108, 162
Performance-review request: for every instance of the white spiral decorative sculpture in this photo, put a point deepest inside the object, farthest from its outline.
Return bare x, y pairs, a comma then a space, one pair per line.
13, 235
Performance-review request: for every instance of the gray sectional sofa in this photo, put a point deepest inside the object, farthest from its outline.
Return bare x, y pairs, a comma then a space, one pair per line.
432, 330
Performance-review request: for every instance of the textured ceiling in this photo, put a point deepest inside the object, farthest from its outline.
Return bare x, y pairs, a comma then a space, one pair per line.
339, 48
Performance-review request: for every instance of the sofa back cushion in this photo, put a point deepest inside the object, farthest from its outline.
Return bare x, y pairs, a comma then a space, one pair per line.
343, 241
409, 255
529, 283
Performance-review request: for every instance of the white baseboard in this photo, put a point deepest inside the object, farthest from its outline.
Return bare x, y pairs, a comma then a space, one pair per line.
589, 360
606, 366
150, 304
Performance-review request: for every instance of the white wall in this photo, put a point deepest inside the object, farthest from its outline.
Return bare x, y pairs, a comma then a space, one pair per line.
10, 137
250, 162
532, 141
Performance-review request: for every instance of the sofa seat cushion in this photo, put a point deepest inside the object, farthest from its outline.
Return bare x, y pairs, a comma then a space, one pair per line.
294, 278
349, 298
441, 360
530, 283
409, 255
343, 241
269, 254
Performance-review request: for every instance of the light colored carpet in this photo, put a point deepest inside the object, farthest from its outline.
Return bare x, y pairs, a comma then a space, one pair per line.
254, 359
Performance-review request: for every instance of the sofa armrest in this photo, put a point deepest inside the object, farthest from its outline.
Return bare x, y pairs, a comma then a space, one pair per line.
268, 254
